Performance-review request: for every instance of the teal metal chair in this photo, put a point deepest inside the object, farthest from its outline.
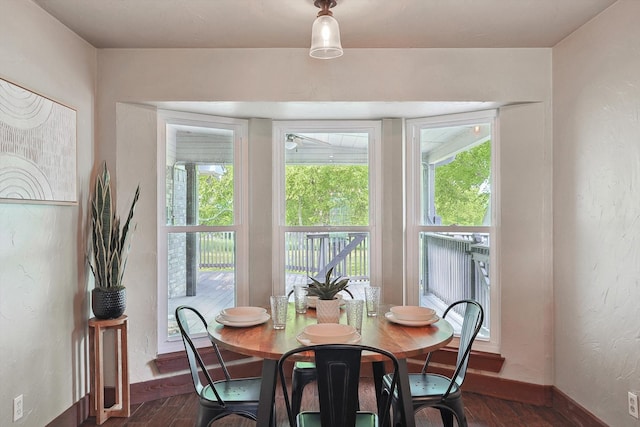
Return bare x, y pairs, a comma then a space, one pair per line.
439, 391
217, 398
338, 368
303, 374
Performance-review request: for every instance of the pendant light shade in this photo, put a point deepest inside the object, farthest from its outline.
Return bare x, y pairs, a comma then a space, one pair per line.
325, 33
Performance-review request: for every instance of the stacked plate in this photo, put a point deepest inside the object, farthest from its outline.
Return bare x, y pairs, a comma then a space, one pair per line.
242, 316
412, 315
328, 333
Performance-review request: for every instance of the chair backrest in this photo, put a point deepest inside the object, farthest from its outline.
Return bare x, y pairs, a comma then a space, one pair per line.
471, 325
338, 367
189, 319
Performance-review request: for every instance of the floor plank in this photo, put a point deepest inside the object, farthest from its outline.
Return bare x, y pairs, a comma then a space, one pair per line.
482, 411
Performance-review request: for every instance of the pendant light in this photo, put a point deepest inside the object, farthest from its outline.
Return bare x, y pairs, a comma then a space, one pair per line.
325, 33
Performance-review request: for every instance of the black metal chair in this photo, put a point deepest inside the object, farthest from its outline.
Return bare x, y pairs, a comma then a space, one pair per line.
303, 374
434, 390
217, 398
338, 367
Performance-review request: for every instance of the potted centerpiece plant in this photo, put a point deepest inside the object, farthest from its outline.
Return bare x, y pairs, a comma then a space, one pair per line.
328, 304
109, 249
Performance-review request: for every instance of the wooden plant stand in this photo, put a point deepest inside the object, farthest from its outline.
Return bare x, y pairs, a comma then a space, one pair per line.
121, 407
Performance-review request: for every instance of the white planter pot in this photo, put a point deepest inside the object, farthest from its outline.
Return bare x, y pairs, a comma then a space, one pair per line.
328, 311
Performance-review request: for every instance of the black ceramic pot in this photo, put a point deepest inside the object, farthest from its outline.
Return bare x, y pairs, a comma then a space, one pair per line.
108, 303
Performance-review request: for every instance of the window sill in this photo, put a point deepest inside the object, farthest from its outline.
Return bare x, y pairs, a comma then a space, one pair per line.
480, 360
177, 361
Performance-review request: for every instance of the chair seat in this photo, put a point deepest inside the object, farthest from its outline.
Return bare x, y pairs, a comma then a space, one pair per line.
305, 365
427, 387
312, 419
245, 390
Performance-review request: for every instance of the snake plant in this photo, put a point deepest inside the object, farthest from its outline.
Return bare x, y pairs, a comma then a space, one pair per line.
328, 289
110, 244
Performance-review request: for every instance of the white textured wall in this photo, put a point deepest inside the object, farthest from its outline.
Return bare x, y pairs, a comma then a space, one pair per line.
510, 75
43, 285
596, 73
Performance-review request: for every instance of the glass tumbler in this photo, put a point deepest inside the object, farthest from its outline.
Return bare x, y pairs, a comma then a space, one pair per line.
354, 308
300, 299
279, 311
372, 297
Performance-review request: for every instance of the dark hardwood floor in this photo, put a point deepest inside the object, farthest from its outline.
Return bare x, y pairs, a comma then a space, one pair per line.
482, 411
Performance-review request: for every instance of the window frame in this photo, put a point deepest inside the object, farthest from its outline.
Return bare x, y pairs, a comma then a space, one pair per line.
279, 228
240, 128
414, 213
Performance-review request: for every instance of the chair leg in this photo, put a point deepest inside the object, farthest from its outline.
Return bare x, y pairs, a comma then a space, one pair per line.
456, 407
395, 407
447, 417
298, 383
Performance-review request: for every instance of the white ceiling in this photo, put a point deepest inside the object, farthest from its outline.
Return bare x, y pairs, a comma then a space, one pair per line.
287, 24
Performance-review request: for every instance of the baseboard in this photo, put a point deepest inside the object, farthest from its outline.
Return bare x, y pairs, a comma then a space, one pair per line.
74, 416
181, 384
534, 394
574, 412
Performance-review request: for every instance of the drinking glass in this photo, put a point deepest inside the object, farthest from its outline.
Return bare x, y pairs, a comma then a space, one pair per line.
372, 296
300, 297
354, 308
279, 310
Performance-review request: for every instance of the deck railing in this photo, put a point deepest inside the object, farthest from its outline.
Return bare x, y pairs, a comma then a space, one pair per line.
311, 254
456, 267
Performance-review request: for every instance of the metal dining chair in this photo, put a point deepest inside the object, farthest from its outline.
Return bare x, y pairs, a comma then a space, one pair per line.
303, 374
338, 367
439, 391
217, 398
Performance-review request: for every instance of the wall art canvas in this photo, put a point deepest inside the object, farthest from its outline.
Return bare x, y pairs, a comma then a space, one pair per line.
37, 148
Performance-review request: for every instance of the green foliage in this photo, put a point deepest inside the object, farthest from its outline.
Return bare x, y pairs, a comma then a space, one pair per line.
216, 198
328, 289
327, 194
324, 195
461, 187
110, 244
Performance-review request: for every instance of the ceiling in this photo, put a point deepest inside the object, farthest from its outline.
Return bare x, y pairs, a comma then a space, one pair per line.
287, 24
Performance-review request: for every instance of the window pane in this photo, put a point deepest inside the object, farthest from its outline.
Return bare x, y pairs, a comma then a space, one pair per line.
456, 175
314, 253
201, 273
199, 187
455, 266
326, 179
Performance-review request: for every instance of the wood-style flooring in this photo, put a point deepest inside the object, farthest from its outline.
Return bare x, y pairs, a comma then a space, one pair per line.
482, 411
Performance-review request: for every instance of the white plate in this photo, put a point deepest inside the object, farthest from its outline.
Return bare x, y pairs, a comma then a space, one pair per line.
303, 339
226, 322
412, 312
243, 314
390, 317
329, 332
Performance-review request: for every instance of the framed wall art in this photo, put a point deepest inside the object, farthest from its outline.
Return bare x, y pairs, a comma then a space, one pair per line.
37, 148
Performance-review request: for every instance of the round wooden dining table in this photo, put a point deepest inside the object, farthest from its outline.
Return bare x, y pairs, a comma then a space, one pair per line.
270, 344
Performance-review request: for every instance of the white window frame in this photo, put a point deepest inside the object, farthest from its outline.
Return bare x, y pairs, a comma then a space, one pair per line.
240, 161
280, 129
414, 215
